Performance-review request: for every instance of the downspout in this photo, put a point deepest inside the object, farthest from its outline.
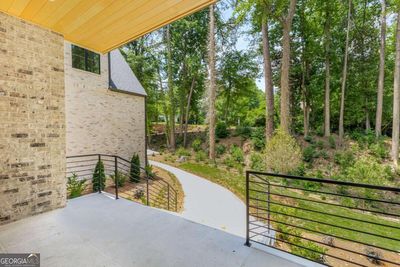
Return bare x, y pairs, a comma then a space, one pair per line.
145, 131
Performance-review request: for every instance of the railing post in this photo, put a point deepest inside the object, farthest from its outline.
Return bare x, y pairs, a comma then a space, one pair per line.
116, 178
168, 196
147, 191
247, 211
95, 168
268, 207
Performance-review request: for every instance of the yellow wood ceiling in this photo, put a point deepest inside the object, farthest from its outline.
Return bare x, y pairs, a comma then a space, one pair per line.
102, 25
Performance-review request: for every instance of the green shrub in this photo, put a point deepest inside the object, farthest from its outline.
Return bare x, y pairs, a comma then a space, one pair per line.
182, 152
221, 130
308, 139
368, 170
320, 144
134, 173
229, 162
99, 177
323, 154
309, 250
200, 156
75, 187
344, 158
220, 149
379, 150
120, 181
243, 131
237, 154
257, 161
309, 154
332, 142
196, 144
282, 153
149, 172
258, 138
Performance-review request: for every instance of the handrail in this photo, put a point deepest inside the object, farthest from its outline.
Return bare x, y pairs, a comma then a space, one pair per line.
293, 210
171, 195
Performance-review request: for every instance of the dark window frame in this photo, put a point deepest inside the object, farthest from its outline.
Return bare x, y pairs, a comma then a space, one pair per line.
94, 58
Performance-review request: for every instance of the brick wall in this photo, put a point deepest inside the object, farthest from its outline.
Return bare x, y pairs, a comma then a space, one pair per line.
32, 120
100, 120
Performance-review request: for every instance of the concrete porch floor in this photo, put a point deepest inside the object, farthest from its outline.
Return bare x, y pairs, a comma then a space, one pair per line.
96, 230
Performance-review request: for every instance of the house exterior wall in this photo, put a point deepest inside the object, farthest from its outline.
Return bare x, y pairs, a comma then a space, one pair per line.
32, 120
100, 120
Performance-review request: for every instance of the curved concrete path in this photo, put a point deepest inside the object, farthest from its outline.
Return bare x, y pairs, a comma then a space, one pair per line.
208, 203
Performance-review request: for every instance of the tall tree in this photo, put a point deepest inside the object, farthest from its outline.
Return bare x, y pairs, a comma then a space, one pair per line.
396, 96
327, 43
212, 83
171, 96
381, 79
344, 76
286, 21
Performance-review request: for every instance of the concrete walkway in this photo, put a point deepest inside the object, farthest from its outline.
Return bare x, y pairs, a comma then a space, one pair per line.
208, 203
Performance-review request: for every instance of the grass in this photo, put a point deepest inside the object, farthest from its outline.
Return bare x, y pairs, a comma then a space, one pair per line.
236, 184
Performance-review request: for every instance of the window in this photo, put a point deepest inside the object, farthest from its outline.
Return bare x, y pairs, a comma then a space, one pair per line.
85, 60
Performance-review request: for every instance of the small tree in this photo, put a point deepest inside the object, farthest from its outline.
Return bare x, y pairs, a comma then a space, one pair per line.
135, 169
99, 177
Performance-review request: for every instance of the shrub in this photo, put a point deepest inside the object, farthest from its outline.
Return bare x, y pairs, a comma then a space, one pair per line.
308, 139
221, 130
309, 154
237, 154
135, 169
344, 158
283, 154
120, 181
258, 138
99, 177
182, 152
229, 162
243, 131
319, 144
220, 149
75, 187
149, 172
368, 170
257, 162
323, 154
332, 142
200, 156
309, 250
196, 144
379, 150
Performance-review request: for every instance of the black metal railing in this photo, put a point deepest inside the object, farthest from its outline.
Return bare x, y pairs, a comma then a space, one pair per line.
335, 223
151, 190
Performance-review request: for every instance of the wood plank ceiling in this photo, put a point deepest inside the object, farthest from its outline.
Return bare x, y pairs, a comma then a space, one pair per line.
101, 25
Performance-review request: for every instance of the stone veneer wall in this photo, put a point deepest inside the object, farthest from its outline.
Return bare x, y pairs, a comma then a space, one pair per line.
32, 120
100, 120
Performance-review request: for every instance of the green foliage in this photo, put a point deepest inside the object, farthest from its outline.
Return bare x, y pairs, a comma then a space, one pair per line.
196, 144
309, 250
379, 150
243, 131
320, 144
182, 152
237, 154
282, 153
220, 149
229, 162
149, 172
368, 170
332, 142
309, 139
99, 177
257, 161
344, 158
309, 154
221, 130
75, 187
134, 172
258, 138
200, 156
120, 181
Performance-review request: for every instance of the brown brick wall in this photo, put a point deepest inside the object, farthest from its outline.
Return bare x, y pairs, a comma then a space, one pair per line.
32, 120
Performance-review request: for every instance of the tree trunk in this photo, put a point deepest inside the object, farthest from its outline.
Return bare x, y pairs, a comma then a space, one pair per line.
269, 88
381, 79
396, 97
187, 112
344, 77
170, 92
306, 108
212, 89
327, 112
165, 108
285, 67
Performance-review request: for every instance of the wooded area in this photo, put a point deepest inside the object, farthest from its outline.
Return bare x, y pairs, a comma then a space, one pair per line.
329, 67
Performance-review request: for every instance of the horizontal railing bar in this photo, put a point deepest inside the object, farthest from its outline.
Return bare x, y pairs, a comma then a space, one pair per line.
323, 233
334, 194
326, 181
309, 249
321, 243
326, 213
329, 224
